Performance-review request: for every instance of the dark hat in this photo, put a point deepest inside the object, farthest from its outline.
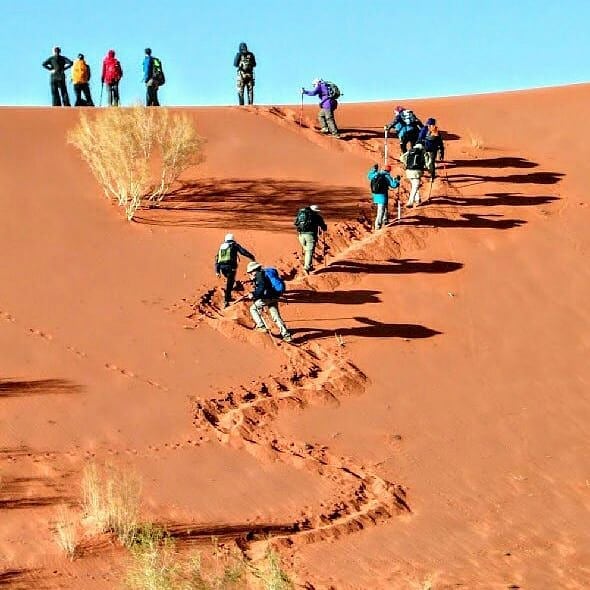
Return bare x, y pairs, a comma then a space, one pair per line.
148, 51
430, 121
80, 56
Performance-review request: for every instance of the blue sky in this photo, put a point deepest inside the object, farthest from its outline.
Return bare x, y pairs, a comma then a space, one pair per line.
373, 49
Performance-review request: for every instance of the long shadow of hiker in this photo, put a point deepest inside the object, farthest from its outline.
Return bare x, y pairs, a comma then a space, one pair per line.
392, 266
370, 329
352, 297
495, 200
468, 220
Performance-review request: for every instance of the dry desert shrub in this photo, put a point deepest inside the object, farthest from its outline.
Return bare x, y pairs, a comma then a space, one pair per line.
66, 535
136, 154
271, 574
111, 501
476, 141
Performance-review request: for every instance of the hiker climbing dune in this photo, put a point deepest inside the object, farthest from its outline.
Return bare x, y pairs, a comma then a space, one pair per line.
226, 263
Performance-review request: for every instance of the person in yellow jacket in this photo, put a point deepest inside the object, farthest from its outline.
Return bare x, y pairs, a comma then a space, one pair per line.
81, 79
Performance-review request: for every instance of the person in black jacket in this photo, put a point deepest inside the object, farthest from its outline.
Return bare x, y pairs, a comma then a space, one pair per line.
57, 64
263, 296
309, 222
226, 263
245, 62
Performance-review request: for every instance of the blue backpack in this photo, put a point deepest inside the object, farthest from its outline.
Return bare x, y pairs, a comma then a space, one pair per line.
278, 285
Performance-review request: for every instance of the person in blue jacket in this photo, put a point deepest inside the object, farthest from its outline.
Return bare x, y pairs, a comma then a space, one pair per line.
431, 138
381, 182
150, 81
327, 106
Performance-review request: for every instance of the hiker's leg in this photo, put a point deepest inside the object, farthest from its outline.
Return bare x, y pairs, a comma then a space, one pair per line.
156, 101
273, 310
308, 242
414, 184
385, 218
323, 123
110, 92
78, 93
432, 167
55, 98
240, 86
250, 87
87, 95
230, 275
116, 93
329, 121
255, 312
379, 216
64, 93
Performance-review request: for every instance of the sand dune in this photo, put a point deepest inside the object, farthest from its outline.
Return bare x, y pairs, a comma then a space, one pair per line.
428, 426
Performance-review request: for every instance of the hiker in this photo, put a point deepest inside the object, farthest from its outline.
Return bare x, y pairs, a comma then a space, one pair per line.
80, 80
57, 64
112, 72
226, 263
245, 62
406, 125
265, 295
431, 138
309, 222
328, 94
153, 78
381, 182
414, 162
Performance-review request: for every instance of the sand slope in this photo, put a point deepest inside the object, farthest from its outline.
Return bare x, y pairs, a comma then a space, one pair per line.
450, 428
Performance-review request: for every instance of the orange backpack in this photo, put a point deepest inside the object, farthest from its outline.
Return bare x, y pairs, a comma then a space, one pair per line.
80, 72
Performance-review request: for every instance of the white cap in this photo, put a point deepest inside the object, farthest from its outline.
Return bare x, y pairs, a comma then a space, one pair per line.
314, 207
419, 146
229, 237
252, 266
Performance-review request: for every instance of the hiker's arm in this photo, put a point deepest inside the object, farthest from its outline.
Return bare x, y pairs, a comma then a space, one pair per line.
313, 92
393, 182
258, 292
237, 60
68, 63
245, 252
104, 67
322, 223
47, 64
422, 134
441, 148
253, 61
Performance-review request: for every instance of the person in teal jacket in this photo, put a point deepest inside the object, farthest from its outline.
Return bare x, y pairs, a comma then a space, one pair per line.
381, 182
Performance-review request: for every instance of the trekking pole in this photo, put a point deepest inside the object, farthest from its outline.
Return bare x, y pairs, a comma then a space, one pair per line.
385, 132
399, 204
267, 329
101, 89
324, 248
301, 112
430, 188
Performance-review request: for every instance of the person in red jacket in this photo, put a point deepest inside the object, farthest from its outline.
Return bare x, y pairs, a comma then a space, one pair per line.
112, 72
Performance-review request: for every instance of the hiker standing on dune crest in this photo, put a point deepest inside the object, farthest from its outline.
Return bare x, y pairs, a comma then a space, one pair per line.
81, 79
226, 263
57, 64
112, 72
328, 94
381, 182
153, 78
267, 290
245, 62
309, 222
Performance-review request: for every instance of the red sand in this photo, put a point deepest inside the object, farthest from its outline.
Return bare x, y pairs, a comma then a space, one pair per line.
459, 400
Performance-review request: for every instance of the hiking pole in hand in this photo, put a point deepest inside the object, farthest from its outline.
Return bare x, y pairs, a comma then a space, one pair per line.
325, 248
385, 132
399, 204
301, 111
101, 89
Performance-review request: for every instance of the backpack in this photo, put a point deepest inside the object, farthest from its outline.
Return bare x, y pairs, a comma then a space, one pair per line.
415, 160
304, 220
112, 71
408, 117
224, 254
157, 72
379, 184
333, 90
278, 285
80, 72
245, 63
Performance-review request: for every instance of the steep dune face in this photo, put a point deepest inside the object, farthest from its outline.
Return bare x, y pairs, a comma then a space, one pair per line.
431, 419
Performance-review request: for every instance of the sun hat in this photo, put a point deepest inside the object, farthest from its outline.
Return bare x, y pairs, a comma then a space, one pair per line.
314, 207
252, 266
229, 237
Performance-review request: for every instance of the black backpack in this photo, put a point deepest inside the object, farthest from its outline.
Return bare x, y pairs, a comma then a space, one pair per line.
415, 160
304, 220
157, 72
246, 62
379, 184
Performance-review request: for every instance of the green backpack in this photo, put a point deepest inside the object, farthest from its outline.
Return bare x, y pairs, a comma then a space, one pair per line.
157, 72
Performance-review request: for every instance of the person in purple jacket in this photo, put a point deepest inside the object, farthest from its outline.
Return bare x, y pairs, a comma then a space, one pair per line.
327, 106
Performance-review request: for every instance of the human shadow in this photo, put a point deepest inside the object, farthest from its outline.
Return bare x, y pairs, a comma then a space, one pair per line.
500, 162
368, 329
20, 579
467, 220
531, 178
38, 387
364, 133
495, 200
392, 266
265, 203
352, 297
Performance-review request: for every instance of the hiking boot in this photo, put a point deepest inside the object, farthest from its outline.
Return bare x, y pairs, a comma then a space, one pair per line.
336, 135
260, 329
324, 130
287, 338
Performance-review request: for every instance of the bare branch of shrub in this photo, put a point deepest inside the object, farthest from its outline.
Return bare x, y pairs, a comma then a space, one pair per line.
66, 535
